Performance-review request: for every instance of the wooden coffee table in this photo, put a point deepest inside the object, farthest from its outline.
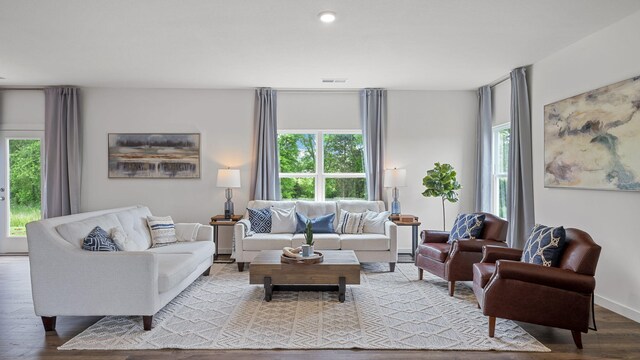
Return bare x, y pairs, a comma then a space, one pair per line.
339, 268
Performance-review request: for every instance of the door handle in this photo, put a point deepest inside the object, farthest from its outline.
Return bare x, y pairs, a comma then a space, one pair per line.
1, 198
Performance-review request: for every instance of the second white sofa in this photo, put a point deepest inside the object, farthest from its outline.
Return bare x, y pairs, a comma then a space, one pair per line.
368, 247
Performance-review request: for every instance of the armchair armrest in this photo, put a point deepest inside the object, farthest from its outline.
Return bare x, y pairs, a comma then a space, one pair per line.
434, 236
490, 254
546, 276
475, 245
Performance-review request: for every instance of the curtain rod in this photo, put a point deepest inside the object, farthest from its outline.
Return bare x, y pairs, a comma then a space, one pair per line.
22, 88
500, 80
317, 91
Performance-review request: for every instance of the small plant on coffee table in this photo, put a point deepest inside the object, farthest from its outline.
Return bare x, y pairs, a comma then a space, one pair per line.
308, 233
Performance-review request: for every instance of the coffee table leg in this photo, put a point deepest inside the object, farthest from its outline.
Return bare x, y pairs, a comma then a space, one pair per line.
268, 289
342, 288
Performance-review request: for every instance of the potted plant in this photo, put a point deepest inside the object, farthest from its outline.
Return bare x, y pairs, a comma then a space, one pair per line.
307, 248
441, 182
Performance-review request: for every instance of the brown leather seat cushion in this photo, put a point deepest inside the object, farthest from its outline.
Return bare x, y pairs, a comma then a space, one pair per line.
482, 273
435, 251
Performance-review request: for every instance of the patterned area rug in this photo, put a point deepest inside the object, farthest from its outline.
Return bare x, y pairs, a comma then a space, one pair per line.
386, 311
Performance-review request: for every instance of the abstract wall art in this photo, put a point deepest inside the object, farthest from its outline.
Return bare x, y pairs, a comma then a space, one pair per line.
592, 140
154, 156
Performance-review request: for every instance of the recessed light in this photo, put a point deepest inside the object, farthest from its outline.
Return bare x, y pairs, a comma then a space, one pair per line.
327, 17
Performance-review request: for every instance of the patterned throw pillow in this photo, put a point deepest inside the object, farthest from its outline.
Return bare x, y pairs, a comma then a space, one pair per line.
467, 226
320, 225
544, 245
351, 223
163, 231
260, 220
98, 240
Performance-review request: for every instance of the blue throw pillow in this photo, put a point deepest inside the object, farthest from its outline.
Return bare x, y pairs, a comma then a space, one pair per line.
99, 240
467, 226
260, 220
544, 245
320, 225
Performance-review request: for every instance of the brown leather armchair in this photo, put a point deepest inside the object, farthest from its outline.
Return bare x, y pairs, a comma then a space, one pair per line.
454, 262
551, 296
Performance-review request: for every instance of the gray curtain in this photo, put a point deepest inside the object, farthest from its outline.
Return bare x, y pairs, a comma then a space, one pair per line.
373, 116
520, 175
63, 146
265, 183
483, 162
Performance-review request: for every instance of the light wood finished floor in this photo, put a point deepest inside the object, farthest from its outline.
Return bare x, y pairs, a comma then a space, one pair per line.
22, 336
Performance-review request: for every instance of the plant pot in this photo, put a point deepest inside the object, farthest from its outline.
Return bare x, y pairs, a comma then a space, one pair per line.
307, 250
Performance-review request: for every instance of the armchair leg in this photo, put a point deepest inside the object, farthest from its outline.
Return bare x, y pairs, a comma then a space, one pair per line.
452, 287
420, 273
240, 266
492, 325
577, 338
146, 322
207, 272
49, 323
392, 267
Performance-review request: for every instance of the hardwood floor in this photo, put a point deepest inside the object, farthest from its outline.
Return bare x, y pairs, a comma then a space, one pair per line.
22, 336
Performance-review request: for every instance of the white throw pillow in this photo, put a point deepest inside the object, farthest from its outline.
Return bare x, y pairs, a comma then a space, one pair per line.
351, 223
122, 241
283, 221
163, 231
374, 222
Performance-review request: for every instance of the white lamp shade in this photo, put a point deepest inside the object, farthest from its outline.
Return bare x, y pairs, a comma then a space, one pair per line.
228, 178
395, 177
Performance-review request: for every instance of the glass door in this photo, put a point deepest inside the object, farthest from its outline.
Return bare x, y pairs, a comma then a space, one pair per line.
20, 187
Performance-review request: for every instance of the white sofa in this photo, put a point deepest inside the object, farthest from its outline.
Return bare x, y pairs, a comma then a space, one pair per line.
67, 280
368, 247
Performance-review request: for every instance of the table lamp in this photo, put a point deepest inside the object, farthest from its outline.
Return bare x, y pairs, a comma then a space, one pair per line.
394, 178
228, 178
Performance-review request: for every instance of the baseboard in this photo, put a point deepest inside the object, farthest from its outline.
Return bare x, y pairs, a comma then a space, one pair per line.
618, 308
224, 251
404, 251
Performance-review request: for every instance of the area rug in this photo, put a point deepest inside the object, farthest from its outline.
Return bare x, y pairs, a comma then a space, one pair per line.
386, 311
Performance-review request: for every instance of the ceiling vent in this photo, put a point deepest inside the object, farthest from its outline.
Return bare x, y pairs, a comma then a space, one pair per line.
334, 81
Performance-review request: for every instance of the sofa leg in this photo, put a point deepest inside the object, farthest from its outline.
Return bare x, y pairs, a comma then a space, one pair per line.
577, 338
452, 287
207, 272
240, 266
49, 323
392, 267
420, 273
146, 322
492, 325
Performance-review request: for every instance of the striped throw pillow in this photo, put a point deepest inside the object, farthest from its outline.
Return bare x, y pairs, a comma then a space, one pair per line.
351, 223
163, 231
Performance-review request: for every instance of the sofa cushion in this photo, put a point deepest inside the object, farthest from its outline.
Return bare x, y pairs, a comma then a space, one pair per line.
75, 232
173, 268
467, 226
200, 249
364, 242
260, 241
321, 241
262, 204
134, 224
314, 209
98, 240
435, 251
360, 206
544, 245
319, 225
482, 273
260, 220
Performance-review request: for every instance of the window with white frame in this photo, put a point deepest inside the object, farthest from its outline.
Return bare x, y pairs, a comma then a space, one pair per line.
500, 165
321, 164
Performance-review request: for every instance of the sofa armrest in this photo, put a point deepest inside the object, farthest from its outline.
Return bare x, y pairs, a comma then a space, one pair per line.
391, 230
474, 245
545, 276
490, 254
434, 236
205, 233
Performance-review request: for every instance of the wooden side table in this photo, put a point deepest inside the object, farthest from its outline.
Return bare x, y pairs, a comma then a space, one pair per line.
219, 220
414, 230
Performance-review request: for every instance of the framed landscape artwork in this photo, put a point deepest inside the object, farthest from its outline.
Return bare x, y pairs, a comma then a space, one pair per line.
154, 156
592, 140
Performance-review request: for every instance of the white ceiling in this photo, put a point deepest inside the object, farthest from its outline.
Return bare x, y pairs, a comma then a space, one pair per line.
228, 44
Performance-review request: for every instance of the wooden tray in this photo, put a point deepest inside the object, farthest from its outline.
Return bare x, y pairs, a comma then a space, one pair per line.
316, 258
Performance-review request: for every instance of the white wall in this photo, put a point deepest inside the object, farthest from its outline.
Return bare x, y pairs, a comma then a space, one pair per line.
223, 118
425, 127
501, 103
318, 110
611, 217
21, 110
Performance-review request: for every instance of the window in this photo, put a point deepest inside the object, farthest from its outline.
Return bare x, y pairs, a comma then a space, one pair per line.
321, 165
500, 135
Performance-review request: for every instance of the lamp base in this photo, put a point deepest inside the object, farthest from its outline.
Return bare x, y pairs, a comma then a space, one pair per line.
228, 205
395, 204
